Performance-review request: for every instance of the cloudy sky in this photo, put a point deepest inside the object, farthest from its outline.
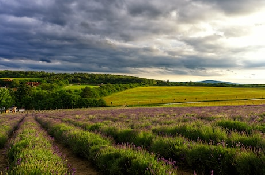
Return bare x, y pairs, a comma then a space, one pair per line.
176, 40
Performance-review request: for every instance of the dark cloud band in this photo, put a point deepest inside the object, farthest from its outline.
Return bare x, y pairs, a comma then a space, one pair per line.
117, 36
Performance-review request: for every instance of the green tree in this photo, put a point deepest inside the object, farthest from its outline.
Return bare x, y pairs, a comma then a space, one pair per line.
6, 99
88, 92
23, 95
15, 83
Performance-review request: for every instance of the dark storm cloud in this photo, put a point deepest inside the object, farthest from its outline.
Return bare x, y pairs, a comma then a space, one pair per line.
206, 44
146, 9
254, 64
110, 36
46, 60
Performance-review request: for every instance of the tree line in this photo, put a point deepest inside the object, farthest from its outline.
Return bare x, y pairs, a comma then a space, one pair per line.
74, 78
53, 96
18, 89
95, 79
223, 84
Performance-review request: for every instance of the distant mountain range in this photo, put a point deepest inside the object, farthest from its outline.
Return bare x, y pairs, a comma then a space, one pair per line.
214, 82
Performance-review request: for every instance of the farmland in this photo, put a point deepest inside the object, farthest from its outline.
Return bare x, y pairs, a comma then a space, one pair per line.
187, 96
182, 140
77, 87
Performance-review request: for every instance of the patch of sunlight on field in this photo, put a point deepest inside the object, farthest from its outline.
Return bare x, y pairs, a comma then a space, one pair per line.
78, 87
216, 103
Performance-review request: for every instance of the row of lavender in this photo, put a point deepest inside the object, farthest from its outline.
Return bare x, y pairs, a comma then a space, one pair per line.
107, 157
228, 130
31, 151
197, 150
176, 146
8, 125
198, 132
146, 118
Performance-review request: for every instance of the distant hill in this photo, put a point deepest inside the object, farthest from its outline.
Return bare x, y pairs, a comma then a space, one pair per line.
215, 82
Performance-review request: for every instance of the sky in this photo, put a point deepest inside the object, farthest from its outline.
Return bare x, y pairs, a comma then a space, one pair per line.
175, 40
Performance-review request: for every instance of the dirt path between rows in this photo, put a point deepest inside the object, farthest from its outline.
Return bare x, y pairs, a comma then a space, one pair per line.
81, 165
3, 160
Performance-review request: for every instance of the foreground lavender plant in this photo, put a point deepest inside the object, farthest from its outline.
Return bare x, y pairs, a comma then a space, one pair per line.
109, 159
8, 124
32, 152
201, 145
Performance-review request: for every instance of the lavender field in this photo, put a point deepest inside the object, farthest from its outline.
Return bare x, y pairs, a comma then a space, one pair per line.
184, 140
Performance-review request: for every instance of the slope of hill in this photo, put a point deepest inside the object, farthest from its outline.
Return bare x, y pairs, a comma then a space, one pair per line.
214, 82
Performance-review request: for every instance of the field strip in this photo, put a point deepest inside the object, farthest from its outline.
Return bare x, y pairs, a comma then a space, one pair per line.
9, 123
227, 140
202, 133
156, 96
79, 166
132, 127
120, 159
31, 151
159, 144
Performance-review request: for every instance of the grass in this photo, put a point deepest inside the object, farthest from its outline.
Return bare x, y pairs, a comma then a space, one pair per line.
78, 87
186, 96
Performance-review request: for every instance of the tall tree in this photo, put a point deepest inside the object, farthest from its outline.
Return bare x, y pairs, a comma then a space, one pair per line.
88, 92
6, 99
23, 95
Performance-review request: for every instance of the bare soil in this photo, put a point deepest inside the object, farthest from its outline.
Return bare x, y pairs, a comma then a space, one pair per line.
3, 160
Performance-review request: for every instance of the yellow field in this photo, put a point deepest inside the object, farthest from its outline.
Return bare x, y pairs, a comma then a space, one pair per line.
187, 96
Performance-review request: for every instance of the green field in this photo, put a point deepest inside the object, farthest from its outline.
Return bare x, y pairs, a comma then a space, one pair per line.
78, 87
22, 78
187, 96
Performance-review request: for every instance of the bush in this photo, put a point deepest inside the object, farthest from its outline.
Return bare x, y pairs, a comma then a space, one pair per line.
250, 163
235, 125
